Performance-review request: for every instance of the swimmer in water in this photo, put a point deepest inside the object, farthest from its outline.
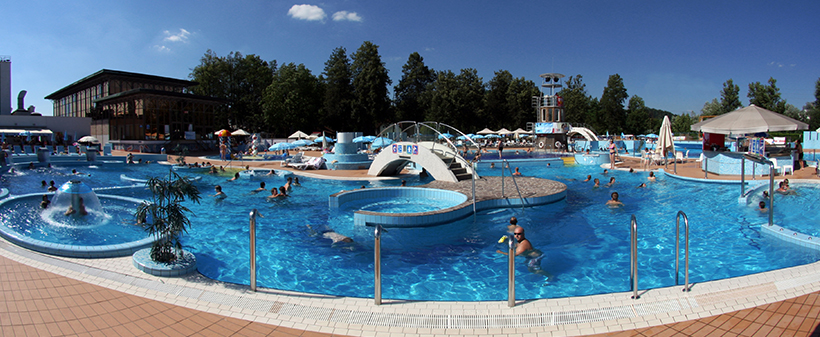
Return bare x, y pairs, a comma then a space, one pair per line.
614, 202
533, 256
329, 233
219, 194
597, 183
762, 206
261, 188
235, 177
80, 210
651, 176
589, 177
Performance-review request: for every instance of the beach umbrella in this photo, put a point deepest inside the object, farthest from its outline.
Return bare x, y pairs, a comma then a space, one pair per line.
364, 139
302, 142
665, 142
492, 136
445, 135
380, 142
240, 132
298, 135
486, 131
478, 137
282, 146
88, 139
27, 134
323, 139
750, 119
651, 135
504, 131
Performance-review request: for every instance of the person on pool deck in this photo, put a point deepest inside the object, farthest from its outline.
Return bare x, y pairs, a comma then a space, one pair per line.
525, 249
81, 208
611, 182
235, 177
261, 188
614, 202
589, 176
516, 173
500, 148
597, 183
612, 152
762, 206
219, 194
651, 176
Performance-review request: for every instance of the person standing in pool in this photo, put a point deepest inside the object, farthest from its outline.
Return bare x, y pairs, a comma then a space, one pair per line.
219, 194
261, 188
525, 249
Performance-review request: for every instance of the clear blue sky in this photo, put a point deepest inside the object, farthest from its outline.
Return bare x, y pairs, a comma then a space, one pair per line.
674, 54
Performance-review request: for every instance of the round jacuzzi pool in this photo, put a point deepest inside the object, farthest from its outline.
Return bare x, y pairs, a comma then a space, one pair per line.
111, 232
400, 206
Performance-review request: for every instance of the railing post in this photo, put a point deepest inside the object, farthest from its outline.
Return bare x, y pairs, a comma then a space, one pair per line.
633, 255
511, 270
254, 213
502, 178
677, 249
743, 176
705, 167
377, 264
771, 194
474, 165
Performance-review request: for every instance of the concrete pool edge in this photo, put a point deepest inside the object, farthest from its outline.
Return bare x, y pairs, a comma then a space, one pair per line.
359, 316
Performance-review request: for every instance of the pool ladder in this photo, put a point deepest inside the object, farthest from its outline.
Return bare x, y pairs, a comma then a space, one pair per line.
506, 165
633, 253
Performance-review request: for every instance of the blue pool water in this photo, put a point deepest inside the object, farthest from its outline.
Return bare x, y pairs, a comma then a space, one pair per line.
585, 242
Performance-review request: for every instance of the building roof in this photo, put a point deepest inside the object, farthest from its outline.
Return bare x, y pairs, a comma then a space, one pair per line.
157, 92
83, 82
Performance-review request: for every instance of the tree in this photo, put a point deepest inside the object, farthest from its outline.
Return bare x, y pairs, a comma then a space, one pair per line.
682, 123
712, 108
370, 81
766, 96
814, 112
576, 101
496, 108
164, 217
338, 97
241, 81
637, 116
292, 102
456, 99
408, 93
793, 112
729, 99
519, 101
613, 115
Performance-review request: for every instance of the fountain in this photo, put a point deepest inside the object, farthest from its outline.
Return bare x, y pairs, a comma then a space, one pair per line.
346, 156
76, 223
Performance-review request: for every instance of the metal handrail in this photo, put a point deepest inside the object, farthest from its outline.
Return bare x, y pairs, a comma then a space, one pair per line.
677, 249
503, 162
254, 213
633, 256
377, 263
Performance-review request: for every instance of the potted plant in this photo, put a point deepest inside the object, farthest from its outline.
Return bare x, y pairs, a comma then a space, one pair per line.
164, 217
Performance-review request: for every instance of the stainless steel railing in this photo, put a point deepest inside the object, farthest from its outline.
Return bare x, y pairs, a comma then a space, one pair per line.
377, 264
633, 256
506, 164
254, 213
677, 249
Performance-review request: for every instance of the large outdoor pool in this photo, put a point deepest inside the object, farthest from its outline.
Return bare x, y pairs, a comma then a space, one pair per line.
585, 242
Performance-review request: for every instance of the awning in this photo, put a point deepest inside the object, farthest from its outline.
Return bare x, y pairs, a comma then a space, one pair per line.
15, 132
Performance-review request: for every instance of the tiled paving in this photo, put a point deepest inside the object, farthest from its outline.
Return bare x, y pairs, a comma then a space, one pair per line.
47, 296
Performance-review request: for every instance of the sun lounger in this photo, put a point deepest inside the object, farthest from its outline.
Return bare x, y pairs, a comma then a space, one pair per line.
679, 157
314, 164
296, 159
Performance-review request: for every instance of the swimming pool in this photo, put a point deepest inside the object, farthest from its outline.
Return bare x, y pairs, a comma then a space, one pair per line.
585, 242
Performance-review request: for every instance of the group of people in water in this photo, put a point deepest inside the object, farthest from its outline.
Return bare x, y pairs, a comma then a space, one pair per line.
275, 192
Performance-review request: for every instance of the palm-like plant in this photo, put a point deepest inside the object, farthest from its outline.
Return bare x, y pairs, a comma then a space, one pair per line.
168, 216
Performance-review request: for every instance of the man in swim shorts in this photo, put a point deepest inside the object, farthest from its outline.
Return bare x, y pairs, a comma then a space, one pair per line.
533, 256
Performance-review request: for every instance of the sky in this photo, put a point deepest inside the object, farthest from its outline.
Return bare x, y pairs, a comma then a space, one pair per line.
675, 55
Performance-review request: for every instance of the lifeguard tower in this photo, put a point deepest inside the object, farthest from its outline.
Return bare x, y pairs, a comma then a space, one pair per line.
550, 129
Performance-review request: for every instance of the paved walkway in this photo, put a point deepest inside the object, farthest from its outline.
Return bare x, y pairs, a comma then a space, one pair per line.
38, 302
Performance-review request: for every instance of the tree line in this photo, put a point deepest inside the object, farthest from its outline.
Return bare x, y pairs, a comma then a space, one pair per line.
352, 93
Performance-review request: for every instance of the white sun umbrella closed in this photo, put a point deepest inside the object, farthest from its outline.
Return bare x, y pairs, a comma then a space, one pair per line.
665, 142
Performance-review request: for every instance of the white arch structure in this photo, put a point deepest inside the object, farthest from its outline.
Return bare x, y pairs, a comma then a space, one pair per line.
392, 159
587, 133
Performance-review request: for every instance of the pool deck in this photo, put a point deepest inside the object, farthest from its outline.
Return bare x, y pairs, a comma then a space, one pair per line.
46, 295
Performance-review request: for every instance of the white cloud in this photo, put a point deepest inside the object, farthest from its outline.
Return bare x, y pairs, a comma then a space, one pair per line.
182, 36
347, 16
307, 12
162, 49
